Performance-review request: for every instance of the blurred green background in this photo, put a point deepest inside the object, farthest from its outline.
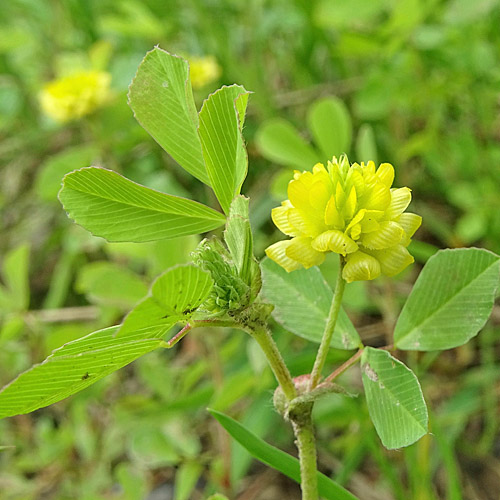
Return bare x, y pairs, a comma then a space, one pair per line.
416, 83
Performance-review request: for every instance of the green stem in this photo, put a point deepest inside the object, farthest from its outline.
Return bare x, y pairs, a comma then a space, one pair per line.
280, 370
324, 347
306, 444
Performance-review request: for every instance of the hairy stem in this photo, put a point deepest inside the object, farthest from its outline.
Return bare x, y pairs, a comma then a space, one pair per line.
275, 360
178, 336
306, 444
324, 347
344, 366
197, 324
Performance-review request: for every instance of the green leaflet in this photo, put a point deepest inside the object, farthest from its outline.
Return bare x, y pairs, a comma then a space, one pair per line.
186, 477
278, 459
111, 206
366, 145
174, 296
330, 123
280, 142
52, 170
209, 145
75, 366
221, 121
394, 397
162, 100
239, 239
450, 301
14, 271
302, 302
109, 283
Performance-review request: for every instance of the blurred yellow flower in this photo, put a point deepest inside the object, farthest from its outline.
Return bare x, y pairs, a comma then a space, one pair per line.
350, 210
75, 96
203, 70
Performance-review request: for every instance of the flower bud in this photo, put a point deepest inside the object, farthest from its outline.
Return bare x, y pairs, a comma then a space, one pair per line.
229, 293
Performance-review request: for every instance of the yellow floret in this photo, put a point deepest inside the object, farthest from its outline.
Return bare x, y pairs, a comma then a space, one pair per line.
350, 210
74, 96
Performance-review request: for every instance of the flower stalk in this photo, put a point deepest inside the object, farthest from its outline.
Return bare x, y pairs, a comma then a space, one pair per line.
333, 315
343, 367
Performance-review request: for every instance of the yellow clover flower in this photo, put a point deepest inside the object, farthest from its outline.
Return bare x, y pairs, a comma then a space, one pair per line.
350, 210
75, 96
203, 70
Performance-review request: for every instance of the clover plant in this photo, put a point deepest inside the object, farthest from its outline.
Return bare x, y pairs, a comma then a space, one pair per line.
348, 209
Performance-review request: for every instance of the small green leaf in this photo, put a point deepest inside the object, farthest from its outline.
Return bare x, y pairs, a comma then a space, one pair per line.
330, 123
132, 481
395, 400
366, 146
238, 237
148, 313
186, 478
182, 289
50, 173
221, 122
174, 296
111, 206
162, 100
280, 142
277, 459
11, 327
302, 301
14, 272
75, 366
451, 300
111, 284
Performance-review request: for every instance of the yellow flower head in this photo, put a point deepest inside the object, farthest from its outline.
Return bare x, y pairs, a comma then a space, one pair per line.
350, 210
75, 96
203, 70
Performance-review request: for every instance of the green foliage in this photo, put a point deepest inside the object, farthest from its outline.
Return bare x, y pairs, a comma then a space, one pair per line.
451, 300
395, 401
14, 272
239, 240
301, 301
48, 182
108, 205
185, 480
74, 367
398, 69
221, 122
209, 146
278, 459
330, 124
366, 147
279, 141
111, 284
162, 100
174, 297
